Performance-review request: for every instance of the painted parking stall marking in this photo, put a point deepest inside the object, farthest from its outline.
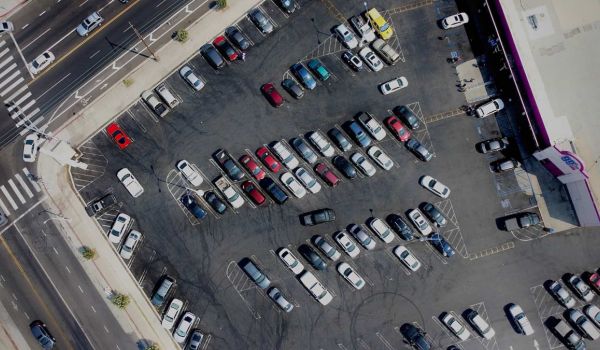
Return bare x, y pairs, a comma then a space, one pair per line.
241, 283
488, 344
94, 158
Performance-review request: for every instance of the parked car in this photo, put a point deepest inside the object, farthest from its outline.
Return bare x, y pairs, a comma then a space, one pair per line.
317, 217
304, 150
319, 69
255, 273
363, 29
358, 134
326, 174
290, 261
561, 294
480, 325
225, 48
163, 91
353, 61
407, 258
90, 23
386, 51
31, 145
568, 336
436, 187
195, 340
583, 324
307, 180
215, 202
293, 185
415, 336
312, 257
273, 189
171, 314
594, 281
581, 289
191, 78
361, 236
440, 243
381, 26
189, 173
339, 139
154, 103
288, 6
40, 332
227, 163
268, 160
363, 164
455, 326
344, 166
489, 108
351, 276
408, 116
418, 150
304, 76
381, 229
212, 56
493, 145
293, 88
345, 36
275, 295
393, 85
454, 21
593, 312
521, 220
167, 284
400, 226
382, 159
229, 192
253, 192
254, 169
41, 62
397, 128
341, 237
130, 182
236, 37
261, 21
419, 221
371, 59
183, 328
369, 123
284, 154
272, 95
520, 320
434, 214
503, 165
130, 243
191, 203
321, 143
327, 249
315, 288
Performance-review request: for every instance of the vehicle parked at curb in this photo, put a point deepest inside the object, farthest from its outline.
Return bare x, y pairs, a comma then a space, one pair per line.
408, 116
289, 6
455, 326
255, 273
171, 314
261, 21
90, 23
397, 128
293, 185
520, 320
382, 159
339, 139
434, 186
440, 243
326, 174
293, 88
327, 249
130, 243
167, 284
307, 180
561, 294
290, 261
317, 217
344, 166
315, 288
183, 328
352, 60
434, 214
362, 236
275, 295
419, 221
371, 59
455, 20
363, 164
152, 101
418, 150
31, 147
321, 143
351, 276
312, 257
503, 165
304, 76
489, 108
195, 340
521, 220
41, 62
225, 48
163, 91
130, 182
189, 173
407, 258
236, 37
341, 237
319, 69
273, 189
480, 325
400, 226
345, 36
191, 78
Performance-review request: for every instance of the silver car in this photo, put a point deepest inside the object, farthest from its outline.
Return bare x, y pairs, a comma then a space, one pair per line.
261, 21
90, 23
280, 300
362, 236
327, 249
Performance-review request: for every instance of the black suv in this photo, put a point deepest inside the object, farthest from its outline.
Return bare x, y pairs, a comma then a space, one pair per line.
274, 190
415, 336
228, 164
312, 257
318, 217
400, 226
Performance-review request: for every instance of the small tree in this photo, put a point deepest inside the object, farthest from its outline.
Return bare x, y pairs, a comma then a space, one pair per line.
127, 82
221, 4
121, 300
153, 346
182, 35
88, 253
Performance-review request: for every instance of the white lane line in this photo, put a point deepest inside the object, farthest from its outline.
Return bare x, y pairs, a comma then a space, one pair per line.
83, 3
4, 52
93, 308
36, 187
19, 101
12, 87
26, 117
160, 3
11, 201
59, 40
16, 190
5, 62
41, 14
25, 26
24, 185
14, 95
4, 208
53, 86
55, 251
80, 289
8, 69
34, 124
20, 53
9, 79
95, 53
36, 38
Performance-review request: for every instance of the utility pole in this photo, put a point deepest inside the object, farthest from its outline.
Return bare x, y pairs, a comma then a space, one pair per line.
154, 57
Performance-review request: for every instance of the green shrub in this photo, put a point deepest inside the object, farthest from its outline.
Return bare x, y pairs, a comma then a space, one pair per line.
121, 300
88, 253
221, 4
182, 35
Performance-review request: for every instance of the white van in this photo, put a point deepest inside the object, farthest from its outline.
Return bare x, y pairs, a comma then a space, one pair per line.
167, 96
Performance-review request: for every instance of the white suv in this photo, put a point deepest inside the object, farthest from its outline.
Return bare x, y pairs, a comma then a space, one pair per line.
90, 23
321, 144
489, 108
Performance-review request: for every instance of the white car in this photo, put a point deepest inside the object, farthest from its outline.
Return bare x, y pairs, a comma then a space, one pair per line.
119, 227
517, 314
6, 26
188, 75
420, 222
346, 243
351, 276
480, 325
233, 197
130, 182
436, 187
371, 59
582, 290
128, 247
30, 148
284, 154
363, 28
292, 184
327, 249
382, 159
455, 326
290, 261
489, 108
315, 288
593, 313
381, 229
363, 164
307, 180
454, 21
41, 62
189, 172
90, 23
583, 324
171, 314
362, 237
407, 258
158, 107
346, 36
280, 300
184, 327
393, 85
321, 144
560, 293
372, 126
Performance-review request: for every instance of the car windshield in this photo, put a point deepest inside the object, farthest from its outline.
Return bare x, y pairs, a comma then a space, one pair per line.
385, 27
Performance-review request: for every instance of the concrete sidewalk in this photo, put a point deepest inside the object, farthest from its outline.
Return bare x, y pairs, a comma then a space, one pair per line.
108, 271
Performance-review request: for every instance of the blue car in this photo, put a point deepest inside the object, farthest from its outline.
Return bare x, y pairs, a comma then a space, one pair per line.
442, 245
192, 205
273, 189
304, 75
358, 134
320, 70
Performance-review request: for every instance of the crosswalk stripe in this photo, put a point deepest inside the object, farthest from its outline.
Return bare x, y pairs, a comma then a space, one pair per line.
16, 190
19, 101
23, 118
36, 187
2, 43
4, 52
10, 200
9, 79
8, 70
6, 61
12, 86
4, 208
22, 109
35, 124
24, 185
15, 94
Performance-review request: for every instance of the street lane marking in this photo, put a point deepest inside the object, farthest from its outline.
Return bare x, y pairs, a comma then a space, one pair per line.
26, 107
53, 86
8, 69
80, 289
34, 124
5, 62
18, 102
36, 38
20, 52
25, 117
12, 86
94, 54
4, 52
42, 13
11, 201
15, 94
2, 43
24, 185
9, 79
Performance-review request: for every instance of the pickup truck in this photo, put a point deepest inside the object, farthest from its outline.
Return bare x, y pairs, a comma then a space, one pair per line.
363, 28
315, 288
521, 220
232, 196
99, 206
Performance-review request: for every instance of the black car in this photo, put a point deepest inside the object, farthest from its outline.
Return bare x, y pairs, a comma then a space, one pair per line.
415, 336
190, 202
212, 56
293, 88
400, 226
318, 217
215, 202
434, 214
237, 38
225, 48
344, 166
274, 190
312, 257
353, 61
42, 334
419, 150
288, 6
228, 164
407, 116
339, 139
304, 150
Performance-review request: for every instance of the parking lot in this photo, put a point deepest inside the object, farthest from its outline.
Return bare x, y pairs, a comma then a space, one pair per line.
231, 113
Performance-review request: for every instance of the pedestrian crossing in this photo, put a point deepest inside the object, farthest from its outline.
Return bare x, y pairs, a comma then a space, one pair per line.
15, 93
20, 188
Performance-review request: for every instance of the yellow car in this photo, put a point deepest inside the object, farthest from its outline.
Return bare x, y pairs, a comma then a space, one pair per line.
383, 28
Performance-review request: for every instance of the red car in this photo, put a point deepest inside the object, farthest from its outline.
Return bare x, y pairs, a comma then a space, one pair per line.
265, 156
225, 47
397, 128
120, 137
594, 281
272, 94
326, 174
254, 193
252, 167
